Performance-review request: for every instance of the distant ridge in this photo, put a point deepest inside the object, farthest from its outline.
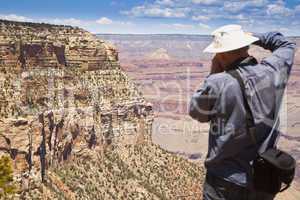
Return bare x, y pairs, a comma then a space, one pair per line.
157, 34
164, 34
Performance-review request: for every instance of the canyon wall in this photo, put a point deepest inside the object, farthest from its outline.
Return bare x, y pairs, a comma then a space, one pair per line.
75, 126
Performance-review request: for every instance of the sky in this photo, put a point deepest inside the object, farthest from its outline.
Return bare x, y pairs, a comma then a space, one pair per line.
159, 16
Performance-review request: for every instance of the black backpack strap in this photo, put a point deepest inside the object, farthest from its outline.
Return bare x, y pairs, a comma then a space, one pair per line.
250, 124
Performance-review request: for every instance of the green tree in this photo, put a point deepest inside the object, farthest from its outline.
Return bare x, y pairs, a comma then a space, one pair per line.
6, 177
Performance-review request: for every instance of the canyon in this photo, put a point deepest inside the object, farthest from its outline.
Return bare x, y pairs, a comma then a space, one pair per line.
75, 126
168, 81
86, 116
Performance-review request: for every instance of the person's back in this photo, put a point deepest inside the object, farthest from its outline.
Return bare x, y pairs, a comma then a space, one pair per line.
220, 102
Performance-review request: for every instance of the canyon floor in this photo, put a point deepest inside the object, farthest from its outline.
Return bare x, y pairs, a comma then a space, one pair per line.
169, 68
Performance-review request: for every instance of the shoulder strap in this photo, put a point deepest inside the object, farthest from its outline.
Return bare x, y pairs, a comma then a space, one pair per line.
249, 115
250, 124
265, 144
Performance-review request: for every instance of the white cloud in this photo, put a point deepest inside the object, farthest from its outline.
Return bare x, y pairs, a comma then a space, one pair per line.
177, 26
206, 2
201, 18
14, 17
238, 17
73, 21
102, 25
197, 10
60, 21
260, 3
204, 26
157, 11
126, 23
68, 21
279, 9
183, 26
107, 21
104, 21
236, 6
166, 2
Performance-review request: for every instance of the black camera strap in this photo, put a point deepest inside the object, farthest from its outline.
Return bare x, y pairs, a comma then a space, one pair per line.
250, 124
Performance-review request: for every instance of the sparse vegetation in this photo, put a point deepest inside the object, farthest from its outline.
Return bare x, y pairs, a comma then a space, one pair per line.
7, 186
142, 175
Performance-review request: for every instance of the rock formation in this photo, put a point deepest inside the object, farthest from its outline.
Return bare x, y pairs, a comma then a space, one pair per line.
159, 54
75, 126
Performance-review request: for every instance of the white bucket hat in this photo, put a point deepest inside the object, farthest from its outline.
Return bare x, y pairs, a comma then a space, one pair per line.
228, 38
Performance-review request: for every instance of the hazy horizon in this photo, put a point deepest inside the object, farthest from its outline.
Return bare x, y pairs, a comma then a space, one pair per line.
204, 35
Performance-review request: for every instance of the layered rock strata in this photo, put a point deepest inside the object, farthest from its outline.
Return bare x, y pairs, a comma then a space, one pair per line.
75, 126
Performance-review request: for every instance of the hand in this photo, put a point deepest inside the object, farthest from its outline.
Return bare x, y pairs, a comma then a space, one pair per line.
216, 65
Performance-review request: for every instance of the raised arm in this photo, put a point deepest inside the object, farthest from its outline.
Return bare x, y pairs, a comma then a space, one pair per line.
282, 51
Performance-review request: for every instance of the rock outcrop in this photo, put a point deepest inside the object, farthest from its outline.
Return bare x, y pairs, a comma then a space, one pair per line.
159, 54
75, 126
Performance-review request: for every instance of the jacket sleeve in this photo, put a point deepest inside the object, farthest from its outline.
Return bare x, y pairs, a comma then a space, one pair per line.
202, 102
282, 51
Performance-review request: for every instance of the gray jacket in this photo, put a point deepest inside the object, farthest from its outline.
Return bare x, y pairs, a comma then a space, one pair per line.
220, 102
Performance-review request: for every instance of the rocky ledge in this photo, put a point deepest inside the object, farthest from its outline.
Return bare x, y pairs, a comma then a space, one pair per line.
75, 126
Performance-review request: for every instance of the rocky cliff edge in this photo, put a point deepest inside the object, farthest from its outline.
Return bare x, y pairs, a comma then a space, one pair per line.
75, 126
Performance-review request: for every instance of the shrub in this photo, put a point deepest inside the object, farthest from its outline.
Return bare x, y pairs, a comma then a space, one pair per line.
7, 186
